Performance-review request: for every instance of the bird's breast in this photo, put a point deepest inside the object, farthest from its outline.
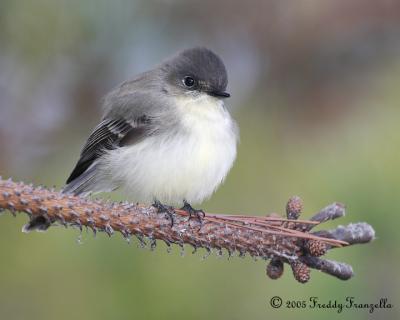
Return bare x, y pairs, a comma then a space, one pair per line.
186, 163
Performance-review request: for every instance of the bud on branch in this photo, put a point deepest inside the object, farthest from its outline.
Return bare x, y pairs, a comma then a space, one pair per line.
282, 240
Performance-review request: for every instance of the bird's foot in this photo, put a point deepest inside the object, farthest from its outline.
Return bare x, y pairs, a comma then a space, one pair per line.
198, 213
162, 208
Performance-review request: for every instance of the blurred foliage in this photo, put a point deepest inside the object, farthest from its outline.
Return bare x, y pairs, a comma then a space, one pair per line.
315, 92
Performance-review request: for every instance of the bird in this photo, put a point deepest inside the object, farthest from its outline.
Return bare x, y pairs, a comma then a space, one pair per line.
166, 137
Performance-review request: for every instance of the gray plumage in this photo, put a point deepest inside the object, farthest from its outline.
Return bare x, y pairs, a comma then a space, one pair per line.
153, 115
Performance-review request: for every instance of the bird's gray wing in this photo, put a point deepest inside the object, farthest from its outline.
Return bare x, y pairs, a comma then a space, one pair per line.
108, 134
131, 112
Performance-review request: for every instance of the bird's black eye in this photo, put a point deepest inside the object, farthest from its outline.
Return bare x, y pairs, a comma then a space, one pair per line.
188, 81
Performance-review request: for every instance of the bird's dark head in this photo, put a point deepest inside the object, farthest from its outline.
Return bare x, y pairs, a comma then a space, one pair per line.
197, 70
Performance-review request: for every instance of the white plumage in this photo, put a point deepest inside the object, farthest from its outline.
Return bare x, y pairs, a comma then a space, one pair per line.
187, 165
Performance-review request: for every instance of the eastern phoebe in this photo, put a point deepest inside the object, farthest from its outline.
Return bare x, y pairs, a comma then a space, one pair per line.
165, 136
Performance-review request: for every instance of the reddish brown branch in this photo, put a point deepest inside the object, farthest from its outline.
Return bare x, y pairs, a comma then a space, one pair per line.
284, 240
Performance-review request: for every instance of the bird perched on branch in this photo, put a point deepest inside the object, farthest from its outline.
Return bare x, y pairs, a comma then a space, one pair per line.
166, 137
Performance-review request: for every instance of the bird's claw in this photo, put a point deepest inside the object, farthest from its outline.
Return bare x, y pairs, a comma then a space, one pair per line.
198, 213
162, 208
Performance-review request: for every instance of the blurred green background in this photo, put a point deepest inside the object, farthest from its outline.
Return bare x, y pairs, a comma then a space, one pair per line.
315, 90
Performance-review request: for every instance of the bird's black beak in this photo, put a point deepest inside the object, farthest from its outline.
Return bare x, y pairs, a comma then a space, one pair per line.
219, 94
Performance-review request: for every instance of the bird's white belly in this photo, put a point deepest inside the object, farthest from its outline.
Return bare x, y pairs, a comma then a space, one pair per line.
187, 165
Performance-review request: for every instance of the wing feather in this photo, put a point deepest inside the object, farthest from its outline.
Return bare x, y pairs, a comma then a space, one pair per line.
107, 135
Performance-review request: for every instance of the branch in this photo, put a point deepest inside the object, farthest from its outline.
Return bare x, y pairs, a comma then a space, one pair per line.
282, 240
